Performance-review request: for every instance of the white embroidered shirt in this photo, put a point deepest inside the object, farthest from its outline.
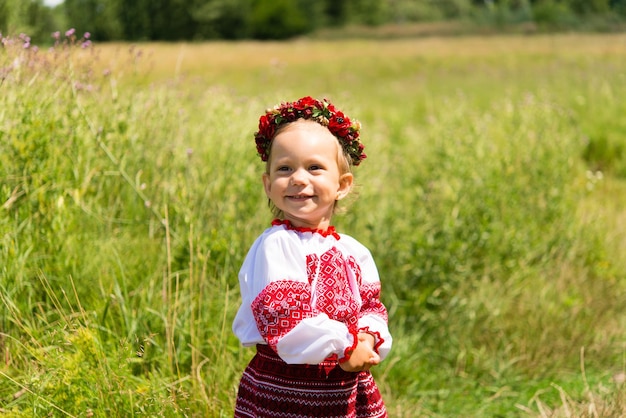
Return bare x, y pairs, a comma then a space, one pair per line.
308, 293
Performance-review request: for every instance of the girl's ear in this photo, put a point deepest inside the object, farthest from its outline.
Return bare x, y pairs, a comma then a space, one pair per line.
345, 185
267, 185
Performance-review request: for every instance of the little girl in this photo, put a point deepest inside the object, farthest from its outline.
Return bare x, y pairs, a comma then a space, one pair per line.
310, 296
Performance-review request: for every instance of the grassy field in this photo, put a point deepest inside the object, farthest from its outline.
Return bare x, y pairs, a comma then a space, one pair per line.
493, 200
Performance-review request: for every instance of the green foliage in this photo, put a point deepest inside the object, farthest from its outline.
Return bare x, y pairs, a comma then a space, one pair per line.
86, 197
26, 16
585, 7
505, 13
413, 11
606, 153
174, 20
277, 19
223, 19
73, 371
128, 203
604, 130
553, 14
95, 16
368, 12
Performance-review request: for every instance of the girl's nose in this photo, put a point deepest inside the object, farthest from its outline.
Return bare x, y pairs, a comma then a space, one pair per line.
298, 177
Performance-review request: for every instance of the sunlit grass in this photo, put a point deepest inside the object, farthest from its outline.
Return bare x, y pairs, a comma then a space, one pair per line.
131, 193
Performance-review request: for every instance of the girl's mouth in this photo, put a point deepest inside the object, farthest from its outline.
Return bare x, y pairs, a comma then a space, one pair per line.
299, 197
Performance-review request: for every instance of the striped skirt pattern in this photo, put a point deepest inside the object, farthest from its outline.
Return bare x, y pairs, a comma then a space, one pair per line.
271, 388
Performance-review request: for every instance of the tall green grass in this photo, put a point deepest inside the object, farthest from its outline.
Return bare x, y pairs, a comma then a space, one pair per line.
490, 200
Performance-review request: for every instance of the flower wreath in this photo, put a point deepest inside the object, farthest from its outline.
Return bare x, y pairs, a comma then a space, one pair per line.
322, 112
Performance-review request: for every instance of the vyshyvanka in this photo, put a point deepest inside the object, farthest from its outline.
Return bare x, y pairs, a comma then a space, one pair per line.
306, 294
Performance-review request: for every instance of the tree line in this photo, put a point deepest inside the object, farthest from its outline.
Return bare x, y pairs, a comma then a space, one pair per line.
176, 20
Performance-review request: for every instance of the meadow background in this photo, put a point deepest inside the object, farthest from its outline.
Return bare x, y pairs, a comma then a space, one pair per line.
493, 200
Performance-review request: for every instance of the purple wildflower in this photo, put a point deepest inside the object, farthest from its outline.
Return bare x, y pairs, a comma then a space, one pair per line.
70, 32
56, 35
87, 35
80, 86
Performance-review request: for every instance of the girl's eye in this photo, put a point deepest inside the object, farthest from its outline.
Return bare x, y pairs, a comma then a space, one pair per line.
315, 167
283, 168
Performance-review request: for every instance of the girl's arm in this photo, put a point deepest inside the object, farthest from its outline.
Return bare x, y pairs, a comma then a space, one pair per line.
373, 316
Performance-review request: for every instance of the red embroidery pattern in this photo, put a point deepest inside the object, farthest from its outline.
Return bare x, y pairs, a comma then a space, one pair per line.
283, 304
325, 233
370, 295
355, 268
271, 388
333, 294
280, 307
312, 261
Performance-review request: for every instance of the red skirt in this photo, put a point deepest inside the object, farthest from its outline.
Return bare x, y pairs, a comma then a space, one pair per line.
271, 388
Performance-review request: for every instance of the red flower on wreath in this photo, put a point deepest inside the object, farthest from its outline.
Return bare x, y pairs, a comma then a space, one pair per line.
320, 111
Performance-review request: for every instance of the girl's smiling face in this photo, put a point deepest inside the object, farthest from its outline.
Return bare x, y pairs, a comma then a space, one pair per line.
304, 179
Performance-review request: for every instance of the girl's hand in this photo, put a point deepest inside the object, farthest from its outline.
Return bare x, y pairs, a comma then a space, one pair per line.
363, 356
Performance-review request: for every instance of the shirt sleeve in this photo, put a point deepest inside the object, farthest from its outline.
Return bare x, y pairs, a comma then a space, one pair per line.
276, 305
373, 317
